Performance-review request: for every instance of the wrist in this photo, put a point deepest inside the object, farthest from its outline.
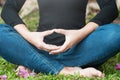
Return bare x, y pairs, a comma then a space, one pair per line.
22, 30
90, 27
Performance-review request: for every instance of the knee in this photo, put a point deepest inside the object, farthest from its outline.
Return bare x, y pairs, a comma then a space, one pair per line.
2, 28
3, 25
111, 27
1, 31
112, 32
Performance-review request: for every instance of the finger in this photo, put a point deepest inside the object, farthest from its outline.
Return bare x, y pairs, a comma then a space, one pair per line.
48, 32
61, 31
61, 49
43, 48
49, 47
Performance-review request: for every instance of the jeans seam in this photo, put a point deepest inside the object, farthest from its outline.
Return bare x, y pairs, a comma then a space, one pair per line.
48, 64
32, 50
45, 61
52, 67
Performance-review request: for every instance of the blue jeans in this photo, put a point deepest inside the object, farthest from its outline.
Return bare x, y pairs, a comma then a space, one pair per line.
94, 50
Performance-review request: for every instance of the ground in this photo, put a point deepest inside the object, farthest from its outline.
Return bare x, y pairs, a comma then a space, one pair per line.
31, 20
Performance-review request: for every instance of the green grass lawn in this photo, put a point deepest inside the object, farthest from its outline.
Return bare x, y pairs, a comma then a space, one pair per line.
32, 22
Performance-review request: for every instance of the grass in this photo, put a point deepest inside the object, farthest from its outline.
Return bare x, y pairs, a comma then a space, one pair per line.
32, 22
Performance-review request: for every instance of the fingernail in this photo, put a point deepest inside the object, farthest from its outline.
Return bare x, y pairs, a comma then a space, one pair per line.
50, 53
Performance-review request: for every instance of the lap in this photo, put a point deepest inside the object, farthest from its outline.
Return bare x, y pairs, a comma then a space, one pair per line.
14, 47
99, 46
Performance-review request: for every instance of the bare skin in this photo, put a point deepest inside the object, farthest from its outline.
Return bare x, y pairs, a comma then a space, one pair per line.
36, 38
87, 72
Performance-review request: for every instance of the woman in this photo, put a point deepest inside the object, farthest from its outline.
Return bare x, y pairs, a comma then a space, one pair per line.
63, 42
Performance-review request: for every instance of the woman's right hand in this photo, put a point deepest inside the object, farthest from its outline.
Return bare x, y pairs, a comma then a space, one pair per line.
35, 38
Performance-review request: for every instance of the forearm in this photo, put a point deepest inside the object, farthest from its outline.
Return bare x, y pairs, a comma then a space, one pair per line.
90, 27
87, 29
22, 30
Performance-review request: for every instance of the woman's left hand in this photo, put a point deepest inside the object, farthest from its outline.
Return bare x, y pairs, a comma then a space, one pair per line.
72, 37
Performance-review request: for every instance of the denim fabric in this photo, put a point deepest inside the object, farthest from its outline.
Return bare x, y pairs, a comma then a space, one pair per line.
16, 50
94, 50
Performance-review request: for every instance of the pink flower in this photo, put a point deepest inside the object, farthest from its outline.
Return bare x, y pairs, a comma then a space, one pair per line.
24, 73
3, 77
117, 66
